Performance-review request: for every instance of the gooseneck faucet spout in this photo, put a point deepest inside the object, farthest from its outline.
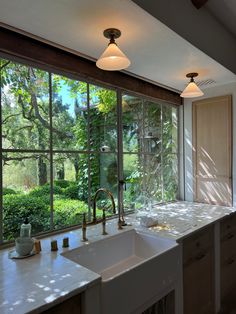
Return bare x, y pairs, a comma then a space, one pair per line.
102, 190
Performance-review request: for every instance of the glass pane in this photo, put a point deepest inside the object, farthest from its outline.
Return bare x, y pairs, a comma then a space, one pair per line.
103, 173
169, 135
70, 114
152, 128
26, 192
170, 177
104, 103
103, 138
133, 177
153, 177
70, 198
132, 117
25, 106
103, 119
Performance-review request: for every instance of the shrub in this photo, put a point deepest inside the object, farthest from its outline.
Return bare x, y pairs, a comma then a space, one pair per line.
40, 191
67, 212
63, 183
71, 192
6, 191
17, 207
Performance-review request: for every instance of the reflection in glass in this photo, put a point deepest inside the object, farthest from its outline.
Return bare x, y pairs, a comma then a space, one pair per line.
26, 192
150, 136
153, 177
169, 130
152, 127
133, 177
103, 173
103, 138
170, 177
132, 117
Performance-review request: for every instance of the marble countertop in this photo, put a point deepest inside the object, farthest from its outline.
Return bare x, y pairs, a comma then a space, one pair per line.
182, 218
34, 284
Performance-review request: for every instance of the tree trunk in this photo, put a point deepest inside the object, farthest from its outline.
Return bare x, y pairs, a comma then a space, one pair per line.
42, 171
42, 166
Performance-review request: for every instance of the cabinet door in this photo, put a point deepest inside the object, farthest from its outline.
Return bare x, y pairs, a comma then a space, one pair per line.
72, 306
198, 273
228, 263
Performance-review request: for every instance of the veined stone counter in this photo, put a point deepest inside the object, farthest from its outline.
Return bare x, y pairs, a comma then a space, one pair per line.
35, 284
182, 218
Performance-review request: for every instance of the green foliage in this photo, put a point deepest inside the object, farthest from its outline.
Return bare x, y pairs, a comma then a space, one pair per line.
41, 191
26, 125
17, 207
6, 191
63, 183
107, 100
68, 212
80, 131
71, 192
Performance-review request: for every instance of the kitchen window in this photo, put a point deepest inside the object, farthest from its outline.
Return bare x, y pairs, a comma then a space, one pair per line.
63, 138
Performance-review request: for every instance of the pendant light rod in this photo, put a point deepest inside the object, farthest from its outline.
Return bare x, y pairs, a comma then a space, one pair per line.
191, 76
112, 34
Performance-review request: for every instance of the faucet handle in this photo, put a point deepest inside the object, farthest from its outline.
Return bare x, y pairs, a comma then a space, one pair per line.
104, 222
84, 228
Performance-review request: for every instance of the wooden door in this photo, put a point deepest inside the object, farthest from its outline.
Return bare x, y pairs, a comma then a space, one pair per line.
212, 149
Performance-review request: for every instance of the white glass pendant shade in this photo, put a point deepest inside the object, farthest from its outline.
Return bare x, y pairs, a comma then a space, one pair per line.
192, 90
113, 59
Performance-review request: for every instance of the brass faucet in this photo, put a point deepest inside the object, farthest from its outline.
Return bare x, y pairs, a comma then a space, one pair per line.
113, 206
95, 202
103, 220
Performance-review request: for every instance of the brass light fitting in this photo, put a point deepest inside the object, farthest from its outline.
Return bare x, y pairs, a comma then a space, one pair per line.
192, 90
112, 59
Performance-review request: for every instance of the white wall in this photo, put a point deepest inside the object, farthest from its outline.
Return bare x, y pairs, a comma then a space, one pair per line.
186, 169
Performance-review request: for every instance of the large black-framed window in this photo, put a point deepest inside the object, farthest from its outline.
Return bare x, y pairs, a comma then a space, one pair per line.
62, 138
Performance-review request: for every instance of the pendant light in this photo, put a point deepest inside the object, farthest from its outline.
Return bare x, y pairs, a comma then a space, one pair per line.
112, 59
192, 90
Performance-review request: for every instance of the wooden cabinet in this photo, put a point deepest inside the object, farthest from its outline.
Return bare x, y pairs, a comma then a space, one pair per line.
72, 306
198, 272
228, 263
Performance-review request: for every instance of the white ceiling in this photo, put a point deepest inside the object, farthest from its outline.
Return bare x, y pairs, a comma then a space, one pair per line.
157, 53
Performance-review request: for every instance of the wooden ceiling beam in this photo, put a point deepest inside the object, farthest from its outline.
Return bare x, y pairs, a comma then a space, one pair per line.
51, 58
199, 3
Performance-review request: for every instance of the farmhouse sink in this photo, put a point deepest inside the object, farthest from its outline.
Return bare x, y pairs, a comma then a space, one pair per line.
134, 265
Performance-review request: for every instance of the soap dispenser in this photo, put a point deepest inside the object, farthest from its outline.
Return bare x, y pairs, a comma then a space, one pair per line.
25, 229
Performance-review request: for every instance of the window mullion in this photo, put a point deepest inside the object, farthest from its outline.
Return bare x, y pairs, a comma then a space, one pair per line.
162, 179
89, 154
1, 181
51, 152
120, 151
